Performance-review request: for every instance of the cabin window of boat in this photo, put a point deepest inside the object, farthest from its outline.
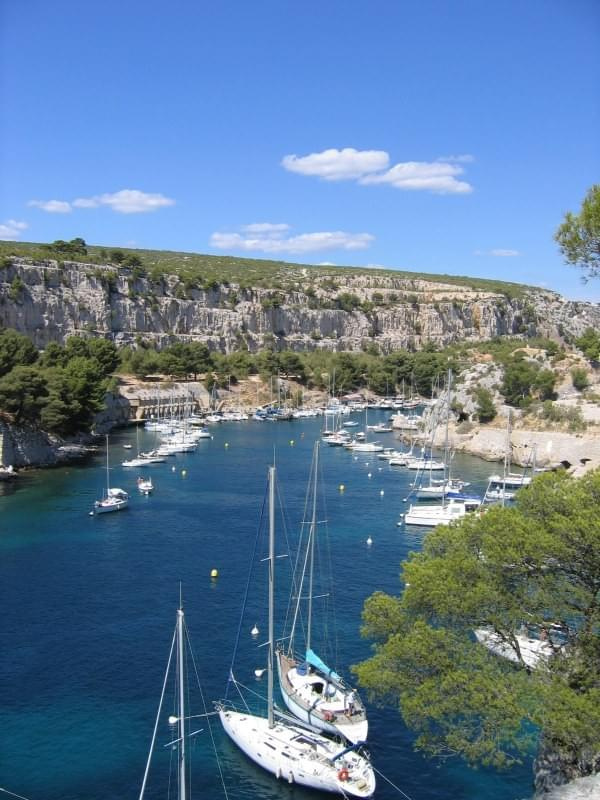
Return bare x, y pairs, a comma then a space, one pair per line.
271, 746
318, 687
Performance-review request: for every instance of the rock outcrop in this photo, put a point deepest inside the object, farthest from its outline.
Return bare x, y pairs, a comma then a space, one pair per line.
50, 301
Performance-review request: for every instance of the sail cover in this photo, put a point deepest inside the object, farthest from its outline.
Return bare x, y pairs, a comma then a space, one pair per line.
313, 659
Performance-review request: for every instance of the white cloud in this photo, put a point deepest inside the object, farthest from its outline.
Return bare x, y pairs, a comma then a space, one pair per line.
11, 229
498, 253
127, 201
422, 176
270, 241
326, 264
504, 253
372, 167
465, 158
85, 202
338, 165
266, 228
52, 206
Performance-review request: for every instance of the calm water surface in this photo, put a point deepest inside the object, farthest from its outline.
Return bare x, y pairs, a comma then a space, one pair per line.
89, 607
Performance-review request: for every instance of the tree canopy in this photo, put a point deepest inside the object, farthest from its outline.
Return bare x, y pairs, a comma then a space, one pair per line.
537, 564
62, 389
579, 235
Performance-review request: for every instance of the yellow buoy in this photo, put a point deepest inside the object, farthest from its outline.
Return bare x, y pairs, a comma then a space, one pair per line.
291, 442
214, 573
342, 487
226, 444
382, 492
184, 472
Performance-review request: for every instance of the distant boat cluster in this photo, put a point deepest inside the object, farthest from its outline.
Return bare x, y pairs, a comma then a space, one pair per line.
182, 434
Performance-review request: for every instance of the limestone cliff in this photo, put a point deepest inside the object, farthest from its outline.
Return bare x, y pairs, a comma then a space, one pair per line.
50, 301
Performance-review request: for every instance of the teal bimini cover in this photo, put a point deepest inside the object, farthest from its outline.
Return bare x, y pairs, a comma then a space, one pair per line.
313, 659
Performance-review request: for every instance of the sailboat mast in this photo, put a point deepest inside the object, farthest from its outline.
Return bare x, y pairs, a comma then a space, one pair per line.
446, 475
180, 677
271, 593
107, 477
313, 526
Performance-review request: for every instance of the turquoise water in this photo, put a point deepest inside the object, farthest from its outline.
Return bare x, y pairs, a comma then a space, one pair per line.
89, 608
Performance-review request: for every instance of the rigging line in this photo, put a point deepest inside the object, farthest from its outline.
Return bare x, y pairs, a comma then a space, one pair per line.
328, 564
248, 689
13, 794
397, 788
162, 695
242, 698
286, 527
246, 591
212, 738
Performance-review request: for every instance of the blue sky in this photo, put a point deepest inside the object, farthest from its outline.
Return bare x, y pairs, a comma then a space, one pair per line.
430, 136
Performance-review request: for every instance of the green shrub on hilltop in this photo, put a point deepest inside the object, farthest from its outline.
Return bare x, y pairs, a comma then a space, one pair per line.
589, 344
580, 378
213, 271
525, 380
485, 408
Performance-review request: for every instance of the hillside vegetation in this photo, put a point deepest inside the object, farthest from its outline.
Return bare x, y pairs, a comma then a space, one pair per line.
205, 270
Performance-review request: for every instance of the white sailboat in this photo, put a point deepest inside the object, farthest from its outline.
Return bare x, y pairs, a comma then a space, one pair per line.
114, 499
504, 487
311, 690
287, 749
365, 446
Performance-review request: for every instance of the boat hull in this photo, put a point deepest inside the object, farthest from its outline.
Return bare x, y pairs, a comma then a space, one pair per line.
105, 508
313, 711
297, 756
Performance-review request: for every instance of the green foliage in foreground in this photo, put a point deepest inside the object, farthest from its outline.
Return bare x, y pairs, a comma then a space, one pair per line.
60, 390
536, 564
579, 235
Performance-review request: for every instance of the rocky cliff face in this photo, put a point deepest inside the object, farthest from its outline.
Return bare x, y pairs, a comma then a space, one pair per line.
51, 301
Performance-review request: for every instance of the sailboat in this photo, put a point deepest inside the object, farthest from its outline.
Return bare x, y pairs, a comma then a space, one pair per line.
284, 747
179, 722
114, 499
138, 461
504, 487
454, 505
365, 446
311, 690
